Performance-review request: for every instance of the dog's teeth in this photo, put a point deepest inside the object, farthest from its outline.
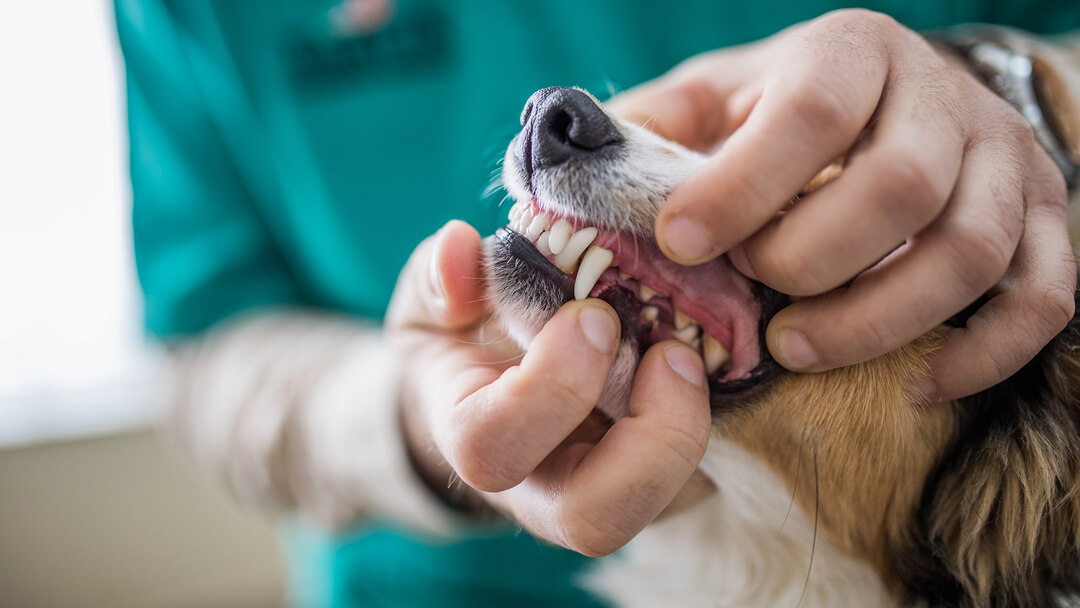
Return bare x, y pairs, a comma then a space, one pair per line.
515, 212
650, 313
567, 259
715, 355
595, 262
646, 293
682, 319
523, 220
538, 225
543, 245
625, 275
560, 234
687, 334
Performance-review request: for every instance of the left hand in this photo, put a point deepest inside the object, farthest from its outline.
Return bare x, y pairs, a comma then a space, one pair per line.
945, 196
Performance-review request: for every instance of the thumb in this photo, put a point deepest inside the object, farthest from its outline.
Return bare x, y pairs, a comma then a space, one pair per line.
442, 284
686, 107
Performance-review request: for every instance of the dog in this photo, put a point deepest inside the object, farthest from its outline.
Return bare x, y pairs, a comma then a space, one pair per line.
842, 488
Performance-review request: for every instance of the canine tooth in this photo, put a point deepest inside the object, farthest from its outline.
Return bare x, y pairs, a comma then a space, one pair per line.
650, 313
542, 244
646, 293
624, 275
567, 259
593, 264
715, 355
538, 225
687, 334
560, 234
682, 319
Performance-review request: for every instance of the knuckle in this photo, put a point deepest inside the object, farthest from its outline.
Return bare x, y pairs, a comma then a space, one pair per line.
794, 273
821, 103
1057, 304
475, 456
859, 19
918, 184
580, 532
873, 337
979, 254
687, 444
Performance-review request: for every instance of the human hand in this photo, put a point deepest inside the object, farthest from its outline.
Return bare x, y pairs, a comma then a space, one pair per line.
945, 196
525, 435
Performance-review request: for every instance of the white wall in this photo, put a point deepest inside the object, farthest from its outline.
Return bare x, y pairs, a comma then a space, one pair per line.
72, 355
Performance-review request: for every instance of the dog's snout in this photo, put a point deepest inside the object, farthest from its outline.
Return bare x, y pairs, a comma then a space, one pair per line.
563, 124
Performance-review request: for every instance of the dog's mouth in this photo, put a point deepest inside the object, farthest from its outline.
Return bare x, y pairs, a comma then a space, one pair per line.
710, 307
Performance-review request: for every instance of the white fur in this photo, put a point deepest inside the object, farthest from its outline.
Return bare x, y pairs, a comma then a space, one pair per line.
746, 546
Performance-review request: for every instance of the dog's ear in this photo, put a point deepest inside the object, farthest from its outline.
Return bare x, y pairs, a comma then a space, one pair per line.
1000, 519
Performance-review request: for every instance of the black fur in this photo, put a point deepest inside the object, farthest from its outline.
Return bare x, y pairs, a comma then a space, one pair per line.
1038, 401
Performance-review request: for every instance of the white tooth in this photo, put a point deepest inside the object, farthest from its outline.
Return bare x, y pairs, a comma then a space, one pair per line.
687, 334
538, 225
624, 275
716, 356
696, 345
682, 319
646, 293
560, 234
595, 262
542, 244
523, 220
567, 259
650, 313
515, 212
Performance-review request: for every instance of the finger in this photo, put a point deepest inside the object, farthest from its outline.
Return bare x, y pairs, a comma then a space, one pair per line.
441, 286
497, 435
894, 187
700, 102
942, 270
810, 113
595, 500
1037, 302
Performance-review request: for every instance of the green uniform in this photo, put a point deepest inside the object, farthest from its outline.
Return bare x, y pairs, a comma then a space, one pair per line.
276, 160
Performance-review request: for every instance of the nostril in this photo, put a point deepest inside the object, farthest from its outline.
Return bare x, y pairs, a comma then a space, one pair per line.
559, 127
565, 123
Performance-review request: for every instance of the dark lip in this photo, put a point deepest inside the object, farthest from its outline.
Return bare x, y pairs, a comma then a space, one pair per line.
724, 396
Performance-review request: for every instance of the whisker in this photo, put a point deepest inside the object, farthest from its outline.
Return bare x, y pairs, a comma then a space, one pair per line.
813, 542
500, 362
795, 485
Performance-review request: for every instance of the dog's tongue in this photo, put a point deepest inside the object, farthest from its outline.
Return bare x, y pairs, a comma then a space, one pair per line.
714, 294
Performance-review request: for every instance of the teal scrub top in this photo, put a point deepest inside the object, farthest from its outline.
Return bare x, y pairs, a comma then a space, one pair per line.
277, 160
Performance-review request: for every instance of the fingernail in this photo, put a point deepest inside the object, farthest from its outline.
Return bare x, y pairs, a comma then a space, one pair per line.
795, 350
927, 388
598, 327
686, 363
686, 240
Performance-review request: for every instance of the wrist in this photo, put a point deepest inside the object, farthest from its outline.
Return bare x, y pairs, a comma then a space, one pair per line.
1027, 74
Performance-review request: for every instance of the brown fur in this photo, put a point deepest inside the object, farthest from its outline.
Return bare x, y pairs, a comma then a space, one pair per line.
983, 494
862, 436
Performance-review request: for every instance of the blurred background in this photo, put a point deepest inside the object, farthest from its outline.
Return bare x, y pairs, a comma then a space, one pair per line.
96, 509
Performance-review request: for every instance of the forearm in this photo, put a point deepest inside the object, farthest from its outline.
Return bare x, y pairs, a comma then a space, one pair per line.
297, 412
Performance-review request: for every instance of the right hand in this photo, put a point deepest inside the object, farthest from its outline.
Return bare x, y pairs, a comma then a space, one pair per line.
523, 433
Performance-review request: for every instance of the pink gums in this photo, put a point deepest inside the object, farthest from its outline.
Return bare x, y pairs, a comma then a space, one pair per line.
717, 296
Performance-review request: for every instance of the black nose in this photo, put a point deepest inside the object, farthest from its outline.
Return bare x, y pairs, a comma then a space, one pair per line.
561, 124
